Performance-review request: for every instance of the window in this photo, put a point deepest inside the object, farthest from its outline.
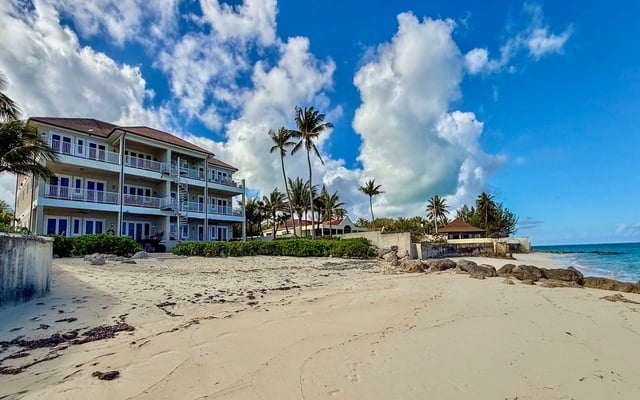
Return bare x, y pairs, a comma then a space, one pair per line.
80, 147
57, 226
61, 143
92, 226
136, 229
76, 223
97, 151
184, 231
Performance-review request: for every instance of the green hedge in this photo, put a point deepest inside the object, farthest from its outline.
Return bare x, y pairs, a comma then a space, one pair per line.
354, 248
88, 244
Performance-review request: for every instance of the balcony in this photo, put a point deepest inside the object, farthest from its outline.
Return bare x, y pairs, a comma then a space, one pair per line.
76, 194
89, 153
142, 201
169, 203
141, 163
198, 174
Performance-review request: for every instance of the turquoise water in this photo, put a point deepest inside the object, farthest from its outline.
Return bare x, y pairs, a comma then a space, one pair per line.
619, 261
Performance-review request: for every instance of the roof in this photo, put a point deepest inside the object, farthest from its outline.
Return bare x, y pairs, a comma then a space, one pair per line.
215, 161
84, 125
162, 137
459, 226
105, 129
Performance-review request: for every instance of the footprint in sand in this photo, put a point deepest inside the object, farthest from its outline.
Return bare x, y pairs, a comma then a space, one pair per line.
353, 378
335, 392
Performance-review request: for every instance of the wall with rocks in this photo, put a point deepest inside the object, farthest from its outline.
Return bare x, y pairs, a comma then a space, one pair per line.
442, 250
387, 241
25, 268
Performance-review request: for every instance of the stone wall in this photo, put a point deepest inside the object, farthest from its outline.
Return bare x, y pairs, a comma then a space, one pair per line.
386, 241
442, 250
25, 268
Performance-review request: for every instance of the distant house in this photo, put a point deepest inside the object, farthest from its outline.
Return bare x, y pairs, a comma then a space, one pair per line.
327, 228
458, 229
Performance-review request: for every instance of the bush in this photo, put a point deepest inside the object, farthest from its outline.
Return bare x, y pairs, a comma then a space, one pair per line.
62, 246
108, 244
296, 247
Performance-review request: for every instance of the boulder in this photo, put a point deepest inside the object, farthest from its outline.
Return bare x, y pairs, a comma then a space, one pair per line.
610, 284
431, 270
390, 256
486, 271
476, 275
508, 282
506, 269
395, 262
568, 275
139, 255
527, 272
411, 266
99, 260
441, 265
554, 283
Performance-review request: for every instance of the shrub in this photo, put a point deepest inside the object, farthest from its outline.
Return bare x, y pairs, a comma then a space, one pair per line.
62, 246
295, 247
107, 244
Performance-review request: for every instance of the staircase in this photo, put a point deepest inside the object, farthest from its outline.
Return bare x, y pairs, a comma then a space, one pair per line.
182, 197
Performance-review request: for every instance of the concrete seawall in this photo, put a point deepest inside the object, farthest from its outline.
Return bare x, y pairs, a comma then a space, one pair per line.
25, 268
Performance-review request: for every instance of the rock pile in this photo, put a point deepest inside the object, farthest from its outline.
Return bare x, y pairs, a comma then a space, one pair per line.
102, 259
526, 274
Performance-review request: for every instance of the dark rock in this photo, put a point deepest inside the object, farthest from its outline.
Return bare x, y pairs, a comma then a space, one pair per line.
128, 262
508, 282
618, 297
527, 282
470, 267
610, 284
554, 283
390, 256
476, 275
527, 272
411, 266
395, 262
106, 376
506, 270
431, 270
569, 275
441, 264
98, 261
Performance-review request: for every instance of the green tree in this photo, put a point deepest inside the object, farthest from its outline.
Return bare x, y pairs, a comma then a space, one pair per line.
281, 142
273, 204
6, 214
437, 210
9, 110
371, 189
332, 207
299, 196
22, 150
310, 124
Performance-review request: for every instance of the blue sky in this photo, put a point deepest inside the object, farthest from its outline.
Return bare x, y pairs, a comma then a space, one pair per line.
534, 102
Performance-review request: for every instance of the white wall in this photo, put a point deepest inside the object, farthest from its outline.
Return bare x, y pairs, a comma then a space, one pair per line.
25, 268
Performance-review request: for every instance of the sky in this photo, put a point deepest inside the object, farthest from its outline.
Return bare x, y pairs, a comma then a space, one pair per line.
536, 103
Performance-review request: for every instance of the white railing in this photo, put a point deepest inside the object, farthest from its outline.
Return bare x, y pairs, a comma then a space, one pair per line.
69, 193
142, 201
141, 163
225, 210
226, 181
87, 152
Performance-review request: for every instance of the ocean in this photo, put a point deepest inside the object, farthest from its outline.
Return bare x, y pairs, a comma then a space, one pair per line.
619, 261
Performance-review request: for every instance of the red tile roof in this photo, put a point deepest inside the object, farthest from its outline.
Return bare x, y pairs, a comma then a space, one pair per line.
105, 129
459, 226
84, 125
162, 137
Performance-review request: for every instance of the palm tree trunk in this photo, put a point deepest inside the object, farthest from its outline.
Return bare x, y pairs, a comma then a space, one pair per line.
313, 232
371, 207
286, 186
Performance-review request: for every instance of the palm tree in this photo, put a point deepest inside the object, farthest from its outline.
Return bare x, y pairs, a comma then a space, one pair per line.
310, 125
437, 209
371, 189
273, 204
332, 206
281, 142
9, 110
486, 207
299, 196
22, 150
6, 214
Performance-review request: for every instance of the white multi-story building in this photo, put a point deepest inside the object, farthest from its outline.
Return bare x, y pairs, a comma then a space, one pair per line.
129, 181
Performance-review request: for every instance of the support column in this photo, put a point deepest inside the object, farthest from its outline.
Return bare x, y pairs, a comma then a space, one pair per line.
121, 185
206, 199
244, 211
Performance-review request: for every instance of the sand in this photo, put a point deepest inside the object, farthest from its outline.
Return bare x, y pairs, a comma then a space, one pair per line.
320, 328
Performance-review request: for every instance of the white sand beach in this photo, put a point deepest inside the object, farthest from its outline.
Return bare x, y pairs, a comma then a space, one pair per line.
293, 328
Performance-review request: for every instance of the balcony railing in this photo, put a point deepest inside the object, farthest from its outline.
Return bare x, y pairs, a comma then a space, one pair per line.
171, 203
90, 153
142, 201
141, 163
76, 194
198, 174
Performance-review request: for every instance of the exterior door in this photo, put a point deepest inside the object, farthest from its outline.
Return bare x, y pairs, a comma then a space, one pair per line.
222, 233
95, 191
200, 203
201, 233
97, 151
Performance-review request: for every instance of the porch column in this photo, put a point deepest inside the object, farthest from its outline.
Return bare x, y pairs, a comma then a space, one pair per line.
121, 185
206, 199
244, 209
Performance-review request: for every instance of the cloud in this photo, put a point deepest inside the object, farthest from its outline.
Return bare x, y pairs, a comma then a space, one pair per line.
628, 230
412, 143
529, 223
536, 39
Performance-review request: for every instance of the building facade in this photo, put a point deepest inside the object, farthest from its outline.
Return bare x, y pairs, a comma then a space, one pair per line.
128, 181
